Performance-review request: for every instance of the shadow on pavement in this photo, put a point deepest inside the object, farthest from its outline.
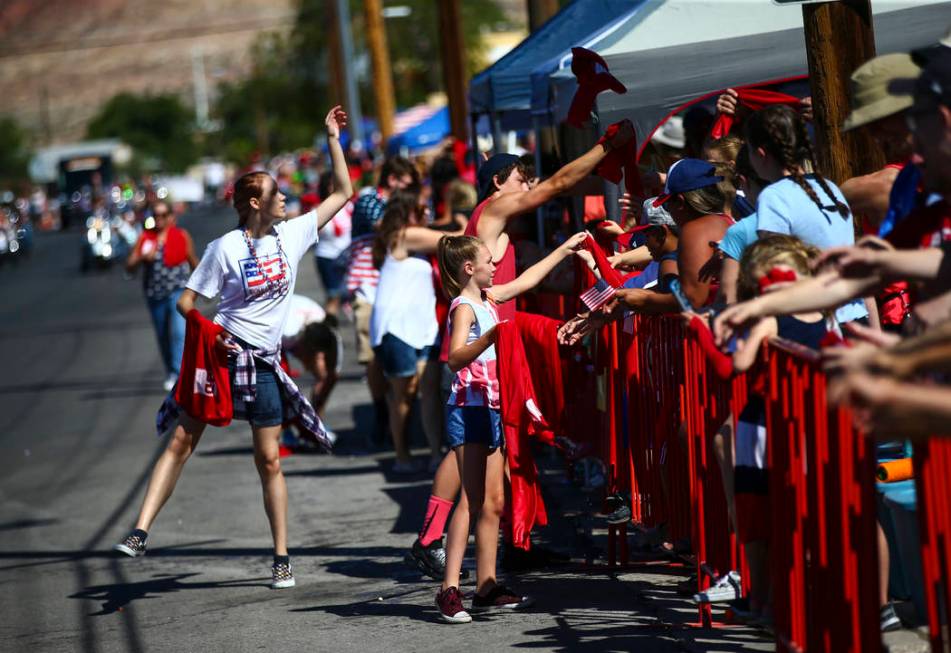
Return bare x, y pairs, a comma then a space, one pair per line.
27, 523
115, 597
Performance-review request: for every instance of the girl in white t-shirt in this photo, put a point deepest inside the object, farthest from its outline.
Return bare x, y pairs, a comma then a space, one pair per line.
252, 268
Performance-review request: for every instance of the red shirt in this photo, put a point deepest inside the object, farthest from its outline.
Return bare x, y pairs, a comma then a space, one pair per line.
504, 269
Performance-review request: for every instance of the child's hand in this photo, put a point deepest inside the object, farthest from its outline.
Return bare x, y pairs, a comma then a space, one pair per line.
574, 242
587, 257
611, 228
726, 103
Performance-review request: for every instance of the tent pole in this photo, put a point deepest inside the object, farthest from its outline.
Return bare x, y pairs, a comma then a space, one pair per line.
476, 154
496, 133
540, 211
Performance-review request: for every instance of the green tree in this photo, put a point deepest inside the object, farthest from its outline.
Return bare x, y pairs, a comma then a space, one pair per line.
158, 127
13, 152
281, 104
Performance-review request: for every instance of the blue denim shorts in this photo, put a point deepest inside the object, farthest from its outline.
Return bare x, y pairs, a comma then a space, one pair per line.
398, 358
473, 425
332, 273
267, 409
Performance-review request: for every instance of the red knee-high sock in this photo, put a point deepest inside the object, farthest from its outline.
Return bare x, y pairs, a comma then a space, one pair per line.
437, 512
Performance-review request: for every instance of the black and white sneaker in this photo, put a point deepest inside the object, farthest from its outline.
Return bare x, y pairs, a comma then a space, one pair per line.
430, 560
282, 576
889, 618
133, 545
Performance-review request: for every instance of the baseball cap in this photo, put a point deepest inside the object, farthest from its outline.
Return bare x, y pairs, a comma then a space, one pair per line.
872, 96
686, 175
489, 169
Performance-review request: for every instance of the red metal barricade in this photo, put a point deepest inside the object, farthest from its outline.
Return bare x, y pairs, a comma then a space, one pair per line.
932, 462
823, 551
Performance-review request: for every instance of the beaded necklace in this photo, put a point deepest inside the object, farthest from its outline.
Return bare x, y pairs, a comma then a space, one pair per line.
273, 287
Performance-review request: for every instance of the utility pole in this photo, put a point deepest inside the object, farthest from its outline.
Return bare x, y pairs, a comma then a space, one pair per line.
453, 64
345, 61
839, 39
200, 88
338, 82
539, 11
380, 59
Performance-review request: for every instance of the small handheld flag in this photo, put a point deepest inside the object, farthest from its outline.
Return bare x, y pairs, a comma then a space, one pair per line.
598, 295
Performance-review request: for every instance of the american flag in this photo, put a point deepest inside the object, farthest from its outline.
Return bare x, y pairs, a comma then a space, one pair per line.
258, 275
597, 295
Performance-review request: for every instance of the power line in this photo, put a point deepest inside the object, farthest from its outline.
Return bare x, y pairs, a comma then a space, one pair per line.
140, 38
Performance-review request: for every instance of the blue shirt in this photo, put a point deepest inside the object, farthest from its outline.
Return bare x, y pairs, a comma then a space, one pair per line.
739, 236
785, 208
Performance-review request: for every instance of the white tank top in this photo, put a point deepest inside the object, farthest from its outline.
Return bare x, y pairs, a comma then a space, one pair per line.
405, 303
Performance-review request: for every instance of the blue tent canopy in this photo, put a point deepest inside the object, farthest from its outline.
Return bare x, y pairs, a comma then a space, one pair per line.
503, 86
540, 101
423, 135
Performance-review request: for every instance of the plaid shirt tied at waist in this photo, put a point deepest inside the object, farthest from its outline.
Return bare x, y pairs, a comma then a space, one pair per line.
243, 391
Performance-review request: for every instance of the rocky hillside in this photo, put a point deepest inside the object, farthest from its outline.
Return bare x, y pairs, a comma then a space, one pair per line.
61, 59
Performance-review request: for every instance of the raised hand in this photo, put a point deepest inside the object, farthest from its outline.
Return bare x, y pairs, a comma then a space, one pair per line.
336, 120
726, 103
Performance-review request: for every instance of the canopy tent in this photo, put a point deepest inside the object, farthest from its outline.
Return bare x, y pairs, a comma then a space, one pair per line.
540, 102
503, 87
419, 128
670, 53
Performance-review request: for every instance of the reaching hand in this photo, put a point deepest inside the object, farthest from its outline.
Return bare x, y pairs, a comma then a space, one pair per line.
574, 242
574, 330
611, 228
587, 257
336, 120
732, 319
726, 103
624, 135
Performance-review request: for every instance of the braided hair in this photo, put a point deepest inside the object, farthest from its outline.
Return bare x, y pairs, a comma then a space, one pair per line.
780, 131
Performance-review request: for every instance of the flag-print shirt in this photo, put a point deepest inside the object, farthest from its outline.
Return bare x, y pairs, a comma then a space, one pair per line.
255, 291
477, 384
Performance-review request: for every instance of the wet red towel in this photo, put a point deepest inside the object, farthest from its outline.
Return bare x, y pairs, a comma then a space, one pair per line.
521, 418
753, 99
621, 162
204, 388
593, 78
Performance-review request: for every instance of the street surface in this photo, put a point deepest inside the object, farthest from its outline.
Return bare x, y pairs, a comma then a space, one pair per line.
80, 386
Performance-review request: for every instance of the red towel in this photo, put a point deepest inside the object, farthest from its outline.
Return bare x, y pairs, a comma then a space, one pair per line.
753, 99
521, 418
593, 78
722, 363
621, 162
204, 388
608, 273
540, 338
176, 247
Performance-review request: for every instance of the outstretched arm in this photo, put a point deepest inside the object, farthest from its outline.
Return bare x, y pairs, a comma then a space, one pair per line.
511, 205
534, 275
343, 190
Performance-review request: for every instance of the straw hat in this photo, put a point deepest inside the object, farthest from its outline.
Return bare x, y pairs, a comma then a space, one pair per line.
871, 99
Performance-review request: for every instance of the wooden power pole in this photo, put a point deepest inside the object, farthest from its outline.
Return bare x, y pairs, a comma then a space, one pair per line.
338, 87
453, 47
839, 39
539, 11
380, 59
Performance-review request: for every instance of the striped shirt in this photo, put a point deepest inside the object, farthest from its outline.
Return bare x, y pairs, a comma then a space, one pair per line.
362, 277
477, 384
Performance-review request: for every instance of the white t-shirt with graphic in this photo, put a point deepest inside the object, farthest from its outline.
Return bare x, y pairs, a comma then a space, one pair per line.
255, 295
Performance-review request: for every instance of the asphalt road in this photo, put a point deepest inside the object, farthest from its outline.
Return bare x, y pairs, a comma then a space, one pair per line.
80, 386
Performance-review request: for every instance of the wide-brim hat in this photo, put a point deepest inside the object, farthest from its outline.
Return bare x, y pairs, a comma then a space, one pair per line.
671, 133
873, 90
